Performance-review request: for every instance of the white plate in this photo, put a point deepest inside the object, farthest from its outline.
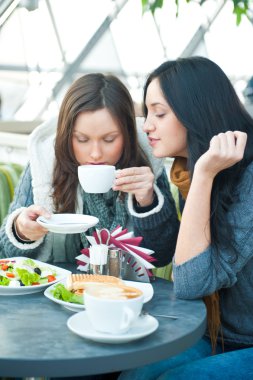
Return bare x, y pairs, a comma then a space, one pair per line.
61, 274
80, 325
146, 288
68, 223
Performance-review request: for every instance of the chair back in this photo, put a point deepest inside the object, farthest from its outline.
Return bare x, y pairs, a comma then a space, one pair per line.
9, 177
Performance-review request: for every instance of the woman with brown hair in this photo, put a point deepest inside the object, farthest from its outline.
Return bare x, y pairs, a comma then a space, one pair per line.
96, 125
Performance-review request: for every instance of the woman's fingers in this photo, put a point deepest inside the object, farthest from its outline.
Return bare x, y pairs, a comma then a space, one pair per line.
138, 181
133, 182
26, 225
215, 145
229, 146
226, 149
134, 178
35, 211
241, 141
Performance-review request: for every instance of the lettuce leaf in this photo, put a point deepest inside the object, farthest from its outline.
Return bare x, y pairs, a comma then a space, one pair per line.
30, 263
61, 293
26, 277
4, 281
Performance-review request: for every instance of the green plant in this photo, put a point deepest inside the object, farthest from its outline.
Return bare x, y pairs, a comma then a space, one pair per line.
240, 7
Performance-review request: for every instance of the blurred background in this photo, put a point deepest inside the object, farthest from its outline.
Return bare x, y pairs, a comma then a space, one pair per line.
46, 44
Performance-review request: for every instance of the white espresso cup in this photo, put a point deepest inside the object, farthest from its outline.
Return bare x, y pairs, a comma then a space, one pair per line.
110, 310
96, 178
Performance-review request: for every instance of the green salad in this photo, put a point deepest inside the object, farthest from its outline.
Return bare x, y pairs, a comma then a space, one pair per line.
61, 293
16, 273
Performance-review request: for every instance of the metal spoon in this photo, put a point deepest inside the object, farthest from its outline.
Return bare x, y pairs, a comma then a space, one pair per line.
144, 312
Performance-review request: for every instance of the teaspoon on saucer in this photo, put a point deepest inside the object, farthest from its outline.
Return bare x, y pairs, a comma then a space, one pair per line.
144, 312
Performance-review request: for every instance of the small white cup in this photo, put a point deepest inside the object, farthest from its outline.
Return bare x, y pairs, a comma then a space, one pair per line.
109, 314
96, 178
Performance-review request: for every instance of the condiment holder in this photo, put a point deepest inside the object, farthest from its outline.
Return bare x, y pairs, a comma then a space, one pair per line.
126, 259
114, 262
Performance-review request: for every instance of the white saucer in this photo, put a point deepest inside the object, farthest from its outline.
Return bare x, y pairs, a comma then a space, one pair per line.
80, 325
68, 223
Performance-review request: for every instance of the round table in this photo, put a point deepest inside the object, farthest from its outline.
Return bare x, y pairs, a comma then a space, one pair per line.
35, 340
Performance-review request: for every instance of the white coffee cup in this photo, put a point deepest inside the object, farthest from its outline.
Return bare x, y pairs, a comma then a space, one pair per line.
107, 312
96, 178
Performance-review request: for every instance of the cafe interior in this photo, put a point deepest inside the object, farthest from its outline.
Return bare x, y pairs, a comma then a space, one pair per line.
47, 44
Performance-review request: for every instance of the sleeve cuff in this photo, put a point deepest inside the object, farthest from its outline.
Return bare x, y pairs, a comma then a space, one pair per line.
17, 237
11, 235
141, 209
144, 213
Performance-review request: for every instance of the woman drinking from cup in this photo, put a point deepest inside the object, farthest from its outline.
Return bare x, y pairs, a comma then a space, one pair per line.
193, 114
96, 126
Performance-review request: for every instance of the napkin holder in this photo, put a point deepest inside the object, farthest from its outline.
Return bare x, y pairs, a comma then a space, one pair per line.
136, 261
132, 269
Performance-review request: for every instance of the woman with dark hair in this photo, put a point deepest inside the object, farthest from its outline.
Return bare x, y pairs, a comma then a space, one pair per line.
96, 125
194, 115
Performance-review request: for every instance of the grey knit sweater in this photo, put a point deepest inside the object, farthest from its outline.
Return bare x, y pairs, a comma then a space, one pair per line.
206, 273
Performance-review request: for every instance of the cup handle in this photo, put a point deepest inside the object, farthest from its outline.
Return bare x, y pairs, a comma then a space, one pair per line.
128, 318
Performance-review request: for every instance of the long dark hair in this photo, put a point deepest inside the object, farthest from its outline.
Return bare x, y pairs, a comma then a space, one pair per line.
91, 92
205, 102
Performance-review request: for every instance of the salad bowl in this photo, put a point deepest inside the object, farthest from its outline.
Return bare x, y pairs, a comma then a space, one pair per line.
21, 275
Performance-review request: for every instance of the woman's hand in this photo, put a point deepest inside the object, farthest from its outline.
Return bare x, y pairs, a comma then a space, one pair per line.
226, 149
26, 226
138, 181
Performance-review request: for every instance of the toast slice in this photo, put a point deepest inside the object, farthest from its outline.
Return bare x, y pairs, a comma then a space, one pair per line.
80, 281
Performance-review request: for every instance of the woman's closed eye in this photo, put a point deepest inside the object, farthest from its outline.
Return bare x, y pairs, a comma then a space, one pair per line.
109, 140
82, 140
160, 115
85, 140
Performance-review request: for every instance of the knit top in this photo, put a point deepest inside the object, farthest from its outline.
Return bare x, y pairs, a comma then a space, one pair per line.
208, 272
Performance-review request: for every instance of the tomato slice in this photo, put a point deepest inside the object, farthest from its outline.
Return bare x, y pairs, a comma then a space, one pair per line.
10, 275
51, 278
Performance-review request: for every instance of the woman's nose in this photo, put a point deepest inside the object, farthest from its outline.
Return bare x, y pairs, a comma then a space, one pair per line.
148, 125
96, 152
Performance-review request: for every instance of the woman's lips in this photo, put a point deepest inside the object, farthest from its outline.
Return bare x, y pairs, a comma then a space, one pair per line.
152, 140
96, 163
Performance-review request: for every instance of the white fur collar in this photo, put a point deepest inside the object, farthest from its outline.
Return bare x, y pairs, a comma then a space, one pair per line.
42, 157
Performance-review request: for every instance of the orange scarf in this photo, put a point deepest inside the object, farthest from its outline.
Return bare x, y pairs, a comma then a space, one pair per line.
179, 175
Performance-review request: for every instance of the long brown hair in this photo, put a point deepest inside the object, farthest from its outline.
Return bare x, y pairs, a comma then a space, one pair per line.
91, 92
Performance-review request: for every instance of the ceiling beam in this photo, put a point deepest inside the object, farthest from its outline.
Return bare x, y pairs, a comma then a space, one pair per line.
74, 67
6, 10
